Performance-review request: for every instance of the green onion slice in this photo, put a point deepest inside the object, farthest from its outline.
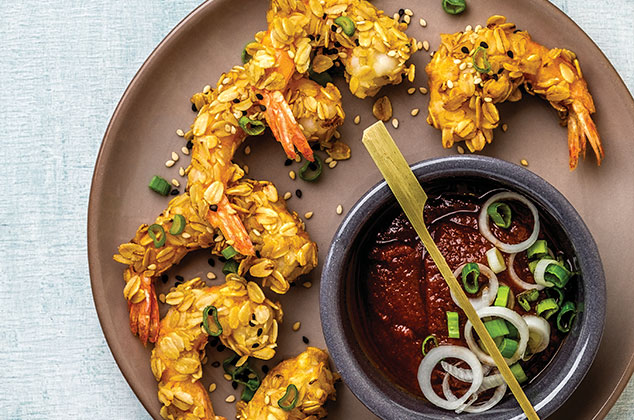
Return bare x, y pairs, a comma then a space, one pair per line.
503, 296
217, 328
547, 308
322, 78
557, 274
508, 347
470, 274
157, 233
426, 346
229, 252
230, 266
309, 175
513, 332
518, 372
500, 213
178, 224
538, 250
289, 400
454, 7
555, 293
453, 324
245, 56
160, 185
496, 327
532, 265
347, 25
251, 127
566, 316
526, 297
481, 61
230, 361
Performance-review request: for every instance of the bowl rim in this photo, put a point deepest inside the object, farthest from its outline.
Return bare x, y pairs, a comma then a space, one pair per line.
561, 383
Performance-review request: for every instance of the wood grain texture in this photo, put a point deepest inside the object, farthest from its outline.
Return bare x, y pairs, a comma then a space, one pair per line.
63, 67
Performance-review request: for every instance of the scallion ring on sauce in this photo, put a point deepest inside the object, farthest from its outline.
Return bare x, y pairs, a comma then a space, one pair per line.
489, 292
496, 327
425, 347
503, 297
453, 324
555, 293
229, 252
217, 328
251, 127
481, 60
500, 213
521, 283
518, 372
157, 233
347, 25
508, 347
547, 308
311, 171
566, 316
178, 224
538, 250
483, 223
549, 273
526, 297
454, 7
470, 274
289, 399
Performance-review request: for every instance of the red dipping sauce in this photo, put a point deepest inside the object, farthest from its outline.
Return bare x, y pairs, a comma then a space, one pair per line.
405, 297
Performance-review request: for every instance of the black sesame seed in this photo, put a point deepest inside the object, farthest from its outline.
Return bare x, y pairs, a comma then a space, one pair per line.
174, 192
509, 53
337, 44
501, 70
177, 283
259, 96
262, 108
234, 385
465, 50
494, 77
194, 107
259, 332
221, 347
288, 162
324, 16
190, 145
251, 324
255, 345
333, 28
401, 12
298, 193
213, 207
356, 42
265, 369
164, 278
180, 278
236, 101
257, 254
305, 339
215, 364
312, 38
253, 317
484, 44
317, 38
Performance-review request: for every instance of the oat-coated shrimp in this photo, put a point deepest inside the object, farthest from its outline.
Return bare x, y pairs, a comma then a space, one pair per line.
473, 71
236, 311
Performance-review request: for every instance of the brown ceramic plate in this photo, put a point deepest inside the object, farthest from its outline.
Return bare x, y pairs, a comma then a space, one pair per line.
140, 138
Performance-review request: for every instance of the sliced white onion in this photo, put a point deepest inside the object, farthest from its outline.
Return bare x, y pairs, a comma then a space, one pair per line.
468, 406
492, 402
521, 283
491, 381
508, 315
495, 260
464, 375
540, 271
432, 358
538, 334
485, 229
488, 292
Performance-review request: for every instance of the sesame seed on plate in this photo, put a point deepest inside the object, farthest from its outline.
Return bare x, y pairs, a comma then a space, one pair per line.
175, 182
411, 90
227, 376
422, 22
461, 150
332, 164
462, 66
162, 297
487, 99
247, 150
328, 160
308, 214
185, 150
524, 162
357, 119
169, 163
230, 398
180, 133
296, 326
298, 158
307, 285
181, 171
409, 12
426, 45
287, 195
246, 169
468, 28
212, 387
394, 123
407, 19
291, 174
339, 209
174, 156
211, 276
206, 89
414, 112
505, 127
423, 90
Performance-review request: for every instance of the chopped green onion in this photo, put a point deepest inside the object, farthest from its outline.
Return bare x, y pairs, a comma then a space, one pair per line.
453, 324
532, 265
495, 260
496, 327
309, 175
157, 233
426, 346
230, 361
500, 213
321, 79
347, 25
513, 332
230, 266
508, 348
454, 7
518, 372
566, 316
470, 274
555, 293
538, 250
160, 185
557, 275
547, 308
526, 297
481, 61
244, 375
245, 56
214, 314
502, 298
229, 252
251, 127
289, 400
178, 224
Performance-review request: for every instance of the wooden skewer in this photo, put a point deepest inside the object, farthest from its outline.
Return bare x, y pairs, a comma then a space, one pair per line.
412, 198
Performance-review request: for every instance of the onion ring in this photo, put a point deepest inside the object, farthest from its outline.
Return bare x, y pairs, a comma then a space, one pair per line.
432, 358
488, 294
485, 229
508, 315
518, 281
468, 406
538, 333
464, 375
540, 272
492, 402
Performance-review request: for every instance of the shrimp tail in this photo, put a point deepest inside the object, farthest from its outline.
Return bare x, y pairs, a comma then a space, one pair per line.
227, 220
586, 130
144, 314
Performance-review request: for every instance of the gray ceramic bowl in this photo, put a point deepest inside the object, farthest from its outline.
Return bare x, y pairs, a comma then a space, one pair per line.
339, 305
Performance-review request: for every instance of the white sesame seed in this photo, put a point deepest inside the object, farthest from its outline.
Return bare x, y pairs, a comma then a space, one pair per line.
396, 16
423, 90
456, 61
477, 81
296, 326
247, 150
211, 276
308, 214
332, 164
151, 267
287, 195
426, 45
357, 119
206, 89
267, 399
414, 112
169, 163
394, 123
230, 398
227, 376
298, 158
407, 19
487, 99
291, 174
228, 128
449, 84
468, 28
180, 133
185, 150
226, 80
422, 22
339, 209
212, 387
181, 171
524, 162
307, 285
462, 66
246, 169
409, 12
175, 156
186, 235
175, 182
328, 159
410, 91
460, 150
419, 45
477, 28
337, 134
233, 129
505, 127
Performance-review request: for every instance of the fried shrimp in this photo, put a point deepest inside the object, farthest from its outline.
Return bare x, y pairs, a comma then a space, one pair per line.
234, 311
473, 71
295, 389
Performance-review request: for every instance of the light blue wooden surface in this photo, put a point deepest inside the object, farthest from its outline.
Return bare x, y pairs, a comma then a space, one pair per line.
63, 67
